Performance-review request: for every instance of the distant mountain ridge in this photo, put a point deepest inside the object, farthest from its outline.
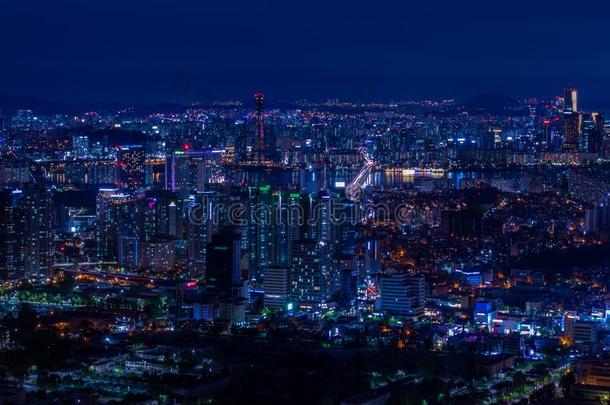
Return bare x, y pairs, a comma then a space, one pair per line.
492, 104
10, 104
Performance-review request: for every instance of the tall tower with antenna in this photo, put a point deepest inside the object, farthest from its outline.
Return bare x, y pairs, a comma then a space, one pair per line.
260, 126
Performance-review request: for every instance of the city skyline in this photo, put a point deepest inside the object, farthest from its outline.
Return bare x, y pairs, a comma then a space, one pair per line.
172, 252
340, 202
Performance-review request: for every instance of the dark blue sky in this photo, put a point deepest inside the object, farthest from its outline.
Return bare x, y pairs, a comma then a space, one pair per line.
182, 50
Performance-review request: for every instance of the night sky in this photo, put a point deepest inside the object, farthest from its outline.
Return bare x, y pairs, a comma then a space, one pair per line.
189, 50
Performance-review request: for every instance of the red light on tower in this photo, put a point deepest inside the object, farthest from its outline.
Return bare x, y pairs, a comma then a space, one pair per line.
186, 146
546, 121
259, 98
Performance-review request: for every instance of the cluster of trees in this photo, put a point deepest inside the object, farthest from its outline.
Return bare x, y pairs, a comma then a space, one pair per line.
34, 346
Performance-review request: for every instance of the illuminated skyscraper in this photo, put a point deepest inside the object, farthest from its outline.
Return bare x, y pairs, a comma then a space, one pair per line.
261, 208
131, 160
572, 121
570, 101
403, 294
160, 214
127, 233
80, 146
223, 276
36, 206
288, 226
572, 125
277, 287
592, 133
190, 170
25, 237
108, 209
547, 134
200, 228
11, 236
311, 274
242, 149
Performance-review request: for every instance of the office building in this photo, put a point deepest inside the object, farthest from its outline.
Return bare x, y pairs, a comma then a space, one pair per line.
403, 294
277, 287
311, 274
